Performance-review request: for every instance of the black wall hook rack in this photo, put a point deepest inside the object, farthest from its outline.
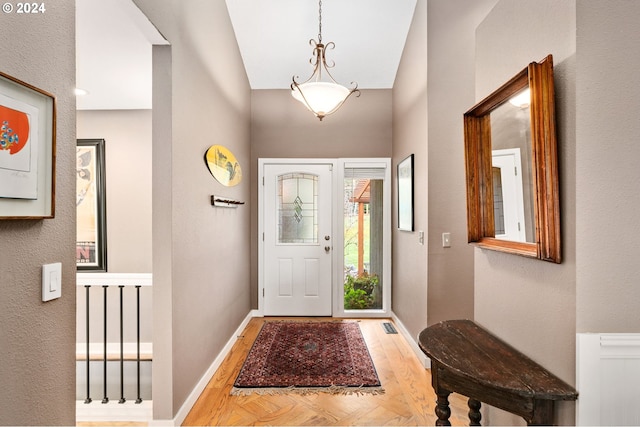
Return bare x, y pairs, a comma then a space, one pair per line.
223, 202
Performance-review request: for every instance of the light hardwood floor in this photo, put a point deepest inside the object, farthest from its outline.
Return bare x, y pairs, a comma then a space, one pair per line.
408, 399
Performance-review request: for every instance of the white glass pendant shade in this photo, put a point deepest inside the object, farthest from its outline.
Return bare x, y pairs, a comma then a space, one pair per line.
320, 93
321, 98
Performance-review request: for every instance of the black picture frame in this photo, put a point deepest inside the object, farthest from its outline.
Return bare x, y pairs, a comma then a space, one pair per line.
91, 206
404, 180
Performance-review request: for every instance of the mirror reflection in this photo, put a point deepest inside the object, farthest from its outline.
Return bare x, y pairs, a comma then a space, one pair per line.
511, 163
511, 169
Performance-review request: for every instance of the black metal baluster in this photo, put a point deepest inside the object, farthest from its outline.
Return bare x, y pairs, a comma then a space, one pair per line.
139, 399
105, 399
122, 399
88, 399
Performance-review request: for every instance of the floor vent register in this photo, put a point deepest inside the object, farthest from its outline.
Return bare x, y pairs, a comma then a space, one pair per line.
388, 328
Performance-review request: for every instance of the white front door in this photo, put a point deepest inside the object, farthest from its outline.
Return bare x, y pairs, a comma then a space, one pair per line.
297, 242
507, 194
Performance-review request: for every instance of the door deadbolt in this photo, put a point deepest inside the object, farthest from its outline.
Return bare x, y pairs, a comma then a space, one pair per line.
327, 237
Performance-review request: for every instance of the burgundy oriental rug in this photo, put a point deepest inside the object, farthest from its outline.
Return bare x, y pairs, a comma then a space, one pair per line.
308, 357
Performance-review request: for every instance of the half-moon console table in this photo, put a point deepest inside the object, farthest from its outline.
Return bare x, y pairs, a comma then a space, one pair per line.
469, 360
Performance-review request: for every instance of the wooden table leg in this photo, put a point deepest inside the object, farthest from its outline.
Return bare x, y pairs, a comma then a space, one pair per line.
474, 412
542, 413
442, 408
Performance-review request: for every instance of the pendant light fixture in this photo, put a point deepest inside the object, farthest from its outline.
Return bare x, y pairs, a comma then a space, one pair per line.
321, 97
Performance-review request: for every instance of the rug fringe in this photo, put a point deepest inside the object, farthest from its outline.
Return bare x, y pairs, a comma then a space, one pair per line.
303, 391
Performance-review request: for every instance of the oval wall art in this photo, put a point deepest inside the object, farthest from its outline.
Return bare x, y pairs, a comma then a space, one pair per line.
223, 165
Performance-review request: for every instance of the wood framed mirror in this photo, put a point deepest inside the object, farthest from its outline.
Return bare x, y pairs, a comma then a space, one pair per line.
511, 158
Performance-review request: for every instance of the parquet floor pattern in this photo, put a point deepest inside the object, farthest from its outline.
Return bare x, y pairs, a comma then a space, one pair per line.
408, 400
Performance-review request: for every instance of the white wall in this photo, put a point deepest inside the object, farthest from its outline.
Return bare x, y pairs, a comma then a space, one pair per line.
37, 340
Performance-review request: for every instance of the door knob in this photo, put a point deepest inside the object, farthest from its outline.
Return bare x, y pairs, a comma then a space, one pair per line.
327, 249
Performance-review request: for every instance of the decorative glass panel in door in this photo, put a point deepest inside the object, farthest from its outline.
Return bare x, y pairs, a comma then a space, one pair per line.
297, 208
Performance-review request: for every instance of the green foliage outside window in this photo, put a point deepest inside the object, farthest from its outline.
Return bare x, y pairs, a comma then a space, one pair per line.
360, 291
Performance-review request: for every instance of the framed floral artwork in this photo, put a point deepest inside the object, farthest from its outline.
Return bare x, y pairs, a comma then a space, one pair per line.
27, 150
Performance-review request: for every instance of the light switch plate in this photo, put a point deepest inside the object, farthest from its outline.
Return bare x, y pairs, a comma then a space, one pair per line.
51, 281
446, 240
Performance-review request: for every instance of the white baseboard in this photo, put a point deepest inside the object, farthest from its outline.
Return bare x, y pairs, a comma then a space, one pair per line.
204, 380
413, 342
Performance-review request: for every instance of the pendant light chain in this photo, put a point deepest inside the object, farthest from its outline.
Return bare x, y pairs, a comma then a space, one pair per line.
320, 21
321, 97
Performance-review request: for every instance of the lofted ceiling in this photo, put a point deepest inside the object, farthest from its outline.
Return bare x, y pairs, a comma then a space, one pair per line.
114, 45
113, 55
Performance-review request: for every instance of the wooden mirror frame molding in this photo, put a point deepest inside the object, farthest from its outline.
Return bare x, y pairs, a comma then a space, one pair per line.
478, 160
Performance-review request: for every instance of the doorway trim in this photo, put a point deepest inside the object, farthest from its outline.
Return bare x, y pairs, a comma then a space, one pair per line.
261, 225
508, 160
337, 225
338, 302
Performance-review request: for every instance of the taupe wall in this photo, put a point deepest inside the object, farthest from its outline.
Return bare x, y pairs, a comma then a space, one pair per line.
607, 177
451, 85
37, 340
282, 128
410, 136
201, 290
432, 283
529, 303
127, 135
